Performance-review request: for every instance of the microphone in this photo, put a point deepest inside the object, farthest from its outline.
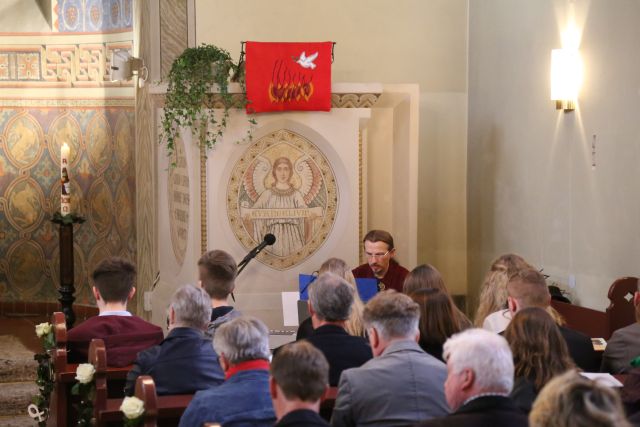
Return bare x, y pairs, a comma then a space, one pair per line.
268, 240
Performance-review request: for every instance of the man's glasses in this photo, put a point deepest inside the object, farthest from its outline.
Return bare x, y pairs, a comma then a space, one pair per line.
377, 256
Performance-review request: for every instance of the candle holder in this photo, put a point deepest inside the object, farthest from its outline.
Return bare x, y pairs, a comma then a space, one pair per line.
66, 289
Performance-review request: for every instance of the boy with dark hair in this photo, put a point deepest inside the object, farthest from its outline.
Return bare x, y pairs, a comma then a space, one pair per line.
124, 335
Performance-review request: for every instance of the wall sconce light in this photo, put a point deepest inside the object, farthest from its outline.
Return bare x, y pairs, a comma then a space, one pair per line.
124, 67
566, 78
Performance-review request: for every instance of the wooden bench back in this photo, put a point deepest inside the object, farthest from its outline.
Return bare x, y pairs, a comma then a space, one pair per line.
328, 402
60, 411
146, 391
621, 311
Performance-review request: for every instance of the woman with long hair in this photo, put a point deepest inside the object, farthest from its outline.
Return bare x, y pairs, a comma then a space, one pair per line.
493, 313
426, 276
354, 325
539, 353
493, 292
438, 319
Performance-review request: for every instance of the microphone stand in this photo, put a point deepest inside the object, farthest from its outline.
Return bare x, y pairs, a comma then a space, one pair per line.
251, 255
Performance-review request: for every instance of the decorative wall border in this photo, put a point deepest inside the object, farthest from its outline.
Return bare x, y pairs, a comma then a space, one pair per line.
338, 100
70, 102
82, 65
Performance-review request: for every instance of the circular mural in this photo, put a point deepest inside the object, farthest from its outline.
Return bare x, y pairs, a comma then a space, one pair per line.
23, 138
178, 195
99, 146
26, 268
26, 201
100, 207
282, 185
65, 129
123, 141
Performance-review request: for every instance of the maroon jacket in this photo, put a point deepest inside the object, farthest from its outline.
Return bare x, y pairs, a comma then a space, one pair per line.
124, 337
394, 279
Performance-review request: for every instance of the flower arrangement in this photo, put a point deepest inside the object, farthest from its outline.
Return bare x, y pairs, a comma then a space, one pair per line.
85, 389
133, 410
44, 374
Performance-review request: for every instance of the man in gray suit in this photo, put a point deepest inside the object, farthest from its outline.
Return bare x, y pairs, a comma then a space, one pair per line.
402, 384
623, 346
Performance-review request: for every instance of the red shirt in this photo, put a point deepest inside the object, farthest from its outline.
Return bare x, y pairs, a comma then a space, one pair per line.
394, 279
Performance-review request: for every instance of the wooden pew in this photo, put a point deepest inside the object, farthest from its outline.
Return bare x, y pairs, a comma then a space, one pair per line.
162, 410
328, 402
60, 413
602, 324
592, 323
146, 391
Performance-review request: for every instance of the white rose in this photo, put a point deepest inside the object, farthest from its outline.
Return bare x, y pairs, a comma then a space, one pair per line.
43, 329
84, 373
132, 407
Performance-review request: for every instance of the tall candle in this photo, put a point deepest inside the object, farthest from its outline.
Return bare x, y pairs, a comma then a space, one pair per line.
65, 187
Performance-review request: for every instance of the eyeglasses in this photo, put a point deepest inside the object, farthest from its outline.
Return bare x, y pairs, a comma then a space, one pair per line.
377, 256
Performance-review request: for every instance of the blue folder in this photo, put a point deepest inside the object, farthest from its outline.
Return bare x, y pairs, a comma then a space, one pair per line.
367, 288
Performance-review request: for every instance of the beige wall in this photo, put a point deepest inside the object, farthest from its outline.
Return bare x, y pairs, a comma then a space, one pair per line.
531, 186
406, 41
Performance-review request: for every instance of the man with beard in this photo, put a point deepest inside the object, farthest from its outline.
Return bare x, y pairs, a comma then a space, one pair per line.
379, 250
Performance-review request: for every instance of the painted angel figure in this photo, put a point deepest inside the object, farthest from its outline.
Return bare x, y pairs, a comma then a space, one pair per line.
282, 209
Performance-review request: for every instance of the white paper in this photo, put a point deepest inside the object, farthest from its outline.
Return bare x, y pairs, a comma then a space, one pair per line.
605, 379
290, 308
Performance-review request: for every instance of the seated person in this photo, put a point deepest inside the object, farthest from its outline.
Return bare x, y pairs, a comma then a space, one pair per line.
299, 376
353, 325
244, 398
217, 272
402, 384
330, 303
527, 288
379, 250
124, 335
185, 361
426, 276
570, 400
539, 354
479, 380
438, 320
623, 346
492, 313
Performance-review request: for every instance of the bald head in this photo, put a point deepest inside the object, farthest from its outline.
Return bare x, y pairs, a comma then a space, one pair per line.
527, 288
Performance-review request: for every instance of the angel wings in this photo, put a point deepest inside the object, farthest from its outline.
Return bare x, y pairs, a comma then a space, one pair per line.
257, 176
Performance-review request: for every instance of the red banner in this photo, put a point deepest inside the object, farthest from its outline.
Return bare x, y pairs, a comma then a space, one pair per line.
288, 76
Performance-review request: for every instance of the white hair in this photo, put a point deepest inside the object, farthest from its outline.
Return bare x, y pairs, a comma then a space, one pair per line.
487, 354
192, 307
241, 339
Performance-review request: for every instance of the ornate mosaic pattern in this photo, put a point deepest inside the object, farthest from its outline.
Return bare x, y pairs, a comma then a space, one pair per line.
92, 15
102, 187
283, 185
59, 65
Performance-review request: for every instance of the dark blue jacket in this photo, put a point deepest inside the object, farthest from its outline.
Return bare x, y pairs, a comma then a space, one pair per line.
243, 400
342, 350
183, 363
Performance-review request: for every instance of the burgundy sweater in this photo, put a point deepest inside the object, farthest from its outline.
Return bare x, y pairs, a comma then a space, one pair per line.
124, 337
394, 279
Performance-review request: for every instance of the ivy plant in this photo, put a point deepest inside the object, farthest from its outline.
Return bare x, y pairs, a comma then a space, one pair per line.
193, 76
